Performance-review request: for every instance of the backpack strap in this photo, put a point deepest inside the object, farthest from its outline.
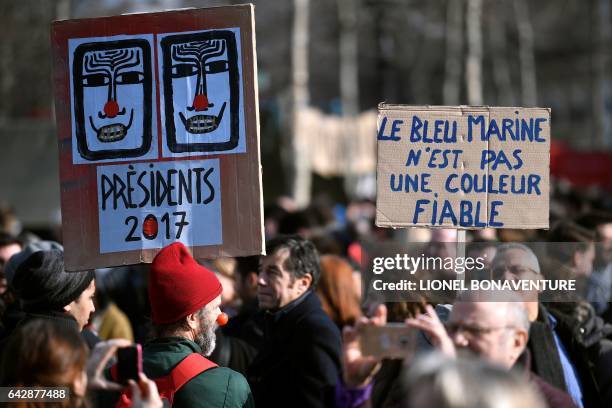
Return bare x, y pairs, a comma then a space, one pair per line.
191, 366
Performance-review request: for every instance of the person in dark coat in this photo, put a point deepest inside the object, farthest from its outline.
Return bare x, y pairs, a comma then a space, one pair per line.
239, 341
46, 291
185, 299
565, 352
585, 346
299, 364
247, 325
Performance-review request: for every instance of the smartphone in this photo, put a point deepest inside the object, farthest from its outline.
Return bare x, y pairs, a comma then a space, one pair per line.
394, 340
129, 363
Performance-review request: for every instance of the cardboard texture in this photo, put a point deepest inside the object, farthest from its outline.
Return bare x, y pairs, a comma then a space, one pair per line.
158, 128
463, 167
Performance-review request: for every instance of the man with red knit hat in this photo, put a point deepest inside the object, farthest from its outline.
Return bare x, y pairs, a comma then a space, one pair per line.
185, 299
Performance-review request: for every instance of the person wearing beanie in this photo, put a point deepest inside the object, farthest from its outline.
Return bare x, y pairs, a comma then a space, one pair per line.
185, 299
300, 359
14, 313
18, 258
47, 291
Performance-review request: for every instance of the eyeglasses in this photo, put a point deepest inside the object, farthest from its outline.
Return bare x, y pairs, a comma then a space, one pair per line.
516, 270
472, 330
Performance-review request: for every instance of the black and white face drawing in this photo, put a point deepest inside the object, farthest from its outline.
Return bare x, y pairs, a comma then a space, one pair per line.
201, 91
113, 99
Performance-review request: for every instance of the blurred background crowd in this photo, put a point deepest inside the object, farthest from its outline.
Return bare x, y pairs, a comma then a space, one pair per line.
342, 235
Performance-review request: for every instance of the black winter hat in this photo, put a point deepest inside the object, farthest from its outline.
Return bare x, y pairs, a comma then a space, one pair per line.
43, 284
17, 259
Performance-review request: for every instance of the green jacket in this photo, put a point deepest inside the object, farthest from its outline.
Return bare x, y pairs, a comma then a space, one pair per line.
217, 387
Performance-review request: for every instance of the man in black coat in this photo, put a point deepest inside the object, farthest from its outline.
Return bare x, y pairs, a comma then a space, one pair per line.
566, 352
299, 364
583, 336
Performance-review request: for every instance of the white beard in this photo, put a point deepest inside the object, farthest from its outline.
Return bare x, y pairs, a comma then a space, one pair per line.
207, 340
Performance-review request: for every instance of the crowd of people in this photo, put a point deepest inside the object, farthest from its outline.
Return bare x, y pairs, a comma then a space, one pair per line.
285, 329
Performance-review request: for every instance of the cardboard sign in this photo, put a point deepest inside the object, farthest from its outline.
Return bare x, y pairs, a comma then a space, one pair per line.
463, 167
158, 130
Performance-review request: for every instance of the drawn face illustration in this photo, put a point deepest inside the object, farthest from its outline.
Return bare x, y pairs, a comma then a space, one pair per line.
201, 94
113, 99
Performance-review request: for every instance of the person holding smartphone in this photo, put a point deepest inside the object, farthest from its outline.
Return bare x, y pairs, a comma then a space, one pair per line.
45, 353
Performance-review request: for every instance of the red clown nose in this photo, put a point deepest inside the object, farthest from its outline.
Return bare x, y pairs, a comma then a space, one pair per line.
111, 109
222, 319
200, 102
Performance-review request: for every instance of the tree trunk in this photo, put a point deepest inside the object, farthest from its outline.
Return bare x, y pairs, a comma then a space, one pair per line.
349, 80
529, 93
473, 66
499, 52
297, 161
454, 51
349, 85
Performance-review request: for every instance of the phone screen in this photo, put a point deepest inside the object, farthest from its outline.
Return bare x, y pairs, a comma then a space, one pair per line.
389, 341
129, 363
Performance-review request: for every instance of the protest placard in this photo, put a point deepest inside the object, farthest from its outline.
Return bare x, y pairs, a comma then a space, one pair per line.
463, 167
158, 129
